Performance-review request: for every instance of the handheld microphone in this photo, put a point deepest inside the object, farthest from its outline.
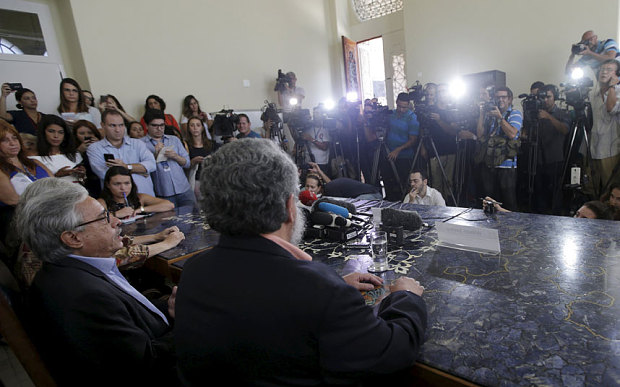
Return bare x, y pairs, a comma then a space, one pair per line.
349, 206
307, 197
334, 209
409, 220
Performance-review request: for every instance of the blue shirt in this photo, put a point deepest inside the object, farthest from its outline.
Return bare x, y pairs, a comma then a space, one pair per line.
252, 134
108, 267
401, 127
515, 119
132, 151
601, 47
169, 177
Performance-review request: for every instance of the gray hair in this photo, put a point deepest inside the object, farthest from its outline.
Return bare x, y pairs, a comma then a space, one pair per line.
45, 210
245, 186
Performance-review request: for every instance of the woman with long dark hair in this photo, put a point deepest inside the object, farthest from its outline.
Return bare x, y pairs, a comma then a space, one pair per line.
56, 149
112, 103
27, 117
73, 106
191, 108
199, 147
155, 102
85, 133
120, 196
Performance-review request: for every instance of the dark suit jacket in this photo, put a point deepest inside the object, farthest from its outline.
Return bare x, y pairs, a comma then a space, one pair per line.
89, 331
248, 312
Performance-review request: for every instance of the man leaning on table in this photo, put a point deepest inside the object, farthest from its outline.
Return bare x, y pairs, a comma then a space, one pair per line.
256, 310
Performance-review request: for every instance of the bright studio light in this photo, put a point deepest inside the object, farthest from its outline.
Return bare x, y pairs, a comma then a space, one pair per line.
457, 88
352, 96
293, 101
329, 104
577, 73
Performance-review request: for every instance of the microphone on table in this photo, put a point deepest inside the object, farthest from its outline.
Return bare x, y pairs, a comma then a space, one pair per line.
409, 220
307, 198
329, 220
349, 206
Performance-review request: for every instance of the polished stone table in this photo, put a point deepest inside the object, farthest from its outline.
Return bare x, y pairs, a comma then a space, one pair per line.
542, 312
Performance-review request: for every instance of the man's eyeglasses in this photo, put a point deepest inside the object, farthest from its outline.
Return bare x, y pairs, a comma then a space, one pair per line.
106, 216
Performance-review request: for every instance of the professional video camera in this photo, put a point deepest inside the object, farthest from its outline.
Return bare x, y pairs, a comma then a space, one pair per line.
578, 48
532, 103
576, 92
224, 123
282, 81
300, 120
421, 106
377, 117
270, 113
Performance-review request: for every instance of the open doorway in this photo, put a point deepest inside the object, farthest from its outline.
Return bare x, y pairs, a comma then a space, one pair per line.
372, 69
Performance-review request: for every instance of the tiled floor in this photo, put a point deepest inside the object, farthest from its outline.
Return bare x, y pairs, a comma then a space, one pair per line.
12, 374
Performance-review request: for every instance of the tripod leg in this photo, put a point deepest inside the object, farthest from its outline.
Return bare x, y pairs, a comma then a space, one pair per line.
375, 165
443, 172
394, 169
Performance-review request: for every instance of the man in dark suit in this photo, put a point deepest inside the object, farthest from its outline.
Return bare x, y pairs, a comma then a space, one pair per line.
91, 326
256, 310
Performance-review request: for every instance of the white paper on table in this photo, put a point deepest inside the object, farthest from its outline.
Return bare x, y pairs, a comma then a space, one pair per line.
161, 156
469, 238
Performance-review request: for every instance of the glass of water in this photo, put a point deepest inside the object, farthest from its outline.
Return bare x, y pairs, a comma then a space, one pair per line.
378, 241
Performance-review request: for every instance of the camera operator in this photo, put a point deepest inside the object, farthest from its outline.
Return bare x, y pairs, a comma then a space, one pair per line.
317, 139
498, 130
593, 53
430, 93
605, 140
553, 126
402, 134
290, 90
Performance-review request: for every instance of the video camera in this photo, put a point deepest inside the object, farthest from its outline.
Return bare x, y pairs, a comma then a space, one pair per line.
224, 123
282, 81
576, 92
377, 117
532, 103
300, 120
578, 48
270, 113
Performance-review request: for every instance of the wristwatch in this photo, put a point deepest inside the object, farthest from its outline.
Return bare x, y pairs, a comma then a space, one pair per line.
129, 167
142, 211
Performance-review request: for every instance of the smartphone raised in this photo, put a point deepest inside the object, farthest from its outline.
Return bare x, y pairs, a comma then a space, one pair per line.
15, 86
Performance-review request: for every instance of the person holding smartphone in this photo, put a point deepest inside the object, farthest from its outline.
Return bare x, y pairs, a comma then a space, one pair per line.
85, 134
27, 117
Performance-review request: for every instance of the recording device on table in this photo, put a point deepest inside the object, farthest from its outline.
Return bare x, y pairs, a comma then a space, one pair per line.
396, 222
224, 123
15, 86
332, 220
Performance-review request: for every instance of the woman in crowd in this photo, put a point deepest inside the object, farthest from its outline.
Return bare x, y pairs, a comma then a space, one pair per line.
121, 198
89, 100
191, 108
111, 102
595, 210
155, 102
86, 134
56, 150
27, 118
72, 105
30, 144
135, 130
199, 147
314, 184
16, 172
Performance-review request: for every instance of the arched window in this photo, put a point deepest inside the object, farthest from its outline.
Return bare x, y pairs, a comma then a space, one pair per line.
370, 9
7, 47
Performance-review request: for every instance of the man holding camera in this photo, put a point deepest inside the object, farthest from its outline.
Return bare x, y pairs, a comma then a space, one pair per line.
498, 129
592, 52
605, 138
553, 126
317, 139
401, 136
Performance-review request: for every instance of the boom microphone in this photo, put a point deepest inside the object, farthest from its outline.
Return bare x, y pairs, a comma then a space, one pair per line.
409, 220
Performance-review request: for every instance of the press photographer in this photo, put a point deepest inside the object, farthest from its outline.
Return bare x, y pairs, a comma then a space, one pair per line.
593, 53
498, 129
317, 138
549, 126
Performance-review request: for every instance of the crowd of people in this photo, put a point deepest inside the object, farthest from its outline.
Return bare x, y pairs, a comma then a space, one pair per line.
68, 179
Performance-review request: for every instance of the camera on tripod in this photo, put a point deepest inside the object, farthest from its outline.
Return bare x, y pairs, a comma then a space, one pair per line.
377, 117
300, 120
576, 92
282, 81
224, 123
270, 113
532, 103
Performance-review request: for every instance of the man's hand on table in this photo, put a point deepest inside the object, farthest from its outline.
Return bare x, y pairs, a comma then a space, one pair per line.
407, 284
363, 281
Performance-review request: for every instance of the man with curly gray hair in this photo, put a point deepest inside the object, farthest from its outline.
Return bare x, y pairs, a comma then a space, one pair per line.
255, 309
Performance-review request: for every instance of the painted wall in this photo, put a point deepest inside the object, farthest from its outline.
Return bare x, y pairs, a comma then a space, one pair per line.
528, 39
207, 48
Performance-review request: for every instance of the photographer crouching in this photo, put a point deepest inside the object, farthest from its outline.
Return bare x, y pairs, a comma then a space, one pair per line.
549, 126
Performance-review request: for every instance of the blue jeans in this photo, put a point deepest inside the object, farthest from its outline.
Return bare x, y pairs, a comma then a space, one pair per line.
186, 198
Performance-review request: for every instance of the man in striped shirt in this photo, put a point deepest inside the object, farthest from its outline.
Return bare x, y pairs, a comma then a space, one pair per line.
595, 52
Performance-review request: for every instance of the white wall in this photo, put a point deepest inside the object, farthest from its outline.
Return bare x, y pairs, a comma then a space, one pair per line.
528, 39
207, 48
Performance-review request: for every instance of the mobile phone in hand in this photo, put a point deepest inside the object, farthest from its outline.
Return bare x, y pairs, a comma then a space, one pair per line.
15, 86
108, 156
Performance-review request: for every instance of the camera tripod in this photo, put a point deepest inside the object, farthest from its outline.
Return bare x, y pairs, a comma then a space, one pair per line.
375, 163
426, 137
338, 155
579, 126
532, 163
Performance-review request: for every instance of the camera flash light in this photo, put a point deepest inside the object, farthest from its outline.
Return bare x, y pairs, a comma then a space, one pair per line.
352, 96
577, 73
292, 101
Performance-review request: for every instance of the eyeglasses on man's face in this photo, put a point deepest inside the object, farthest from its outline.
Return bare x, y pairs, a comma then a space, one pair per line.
106, 216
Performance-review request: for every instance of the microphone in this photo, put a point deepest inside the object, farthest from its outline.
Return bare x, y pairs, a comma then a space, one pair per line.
349, 206
334, 209
409, 220
307, 197
329, 220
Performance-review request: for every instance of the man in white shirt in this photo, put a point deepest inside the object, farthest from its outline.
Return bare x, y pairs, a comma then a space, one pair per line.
421, 193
